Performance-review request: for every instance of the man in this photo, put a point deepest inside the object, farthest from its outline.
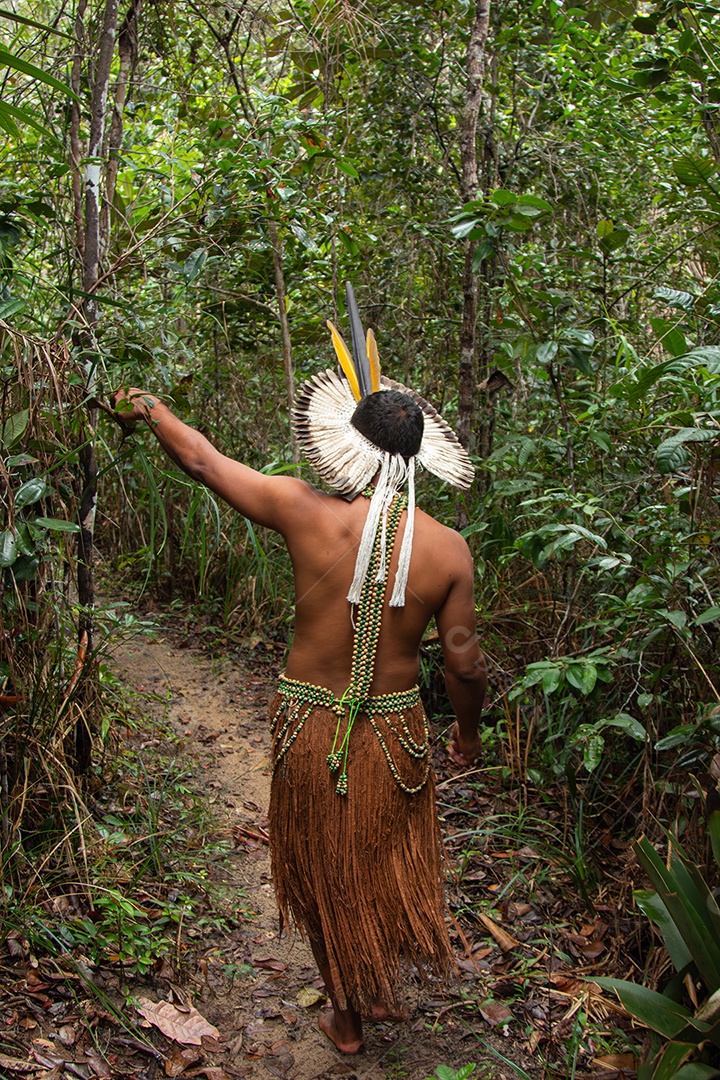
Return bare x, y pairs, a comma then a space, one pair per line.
355, 840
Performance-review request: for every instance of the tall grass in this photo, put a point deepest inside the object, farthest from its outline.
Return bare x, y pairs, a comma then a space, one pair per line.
48, 694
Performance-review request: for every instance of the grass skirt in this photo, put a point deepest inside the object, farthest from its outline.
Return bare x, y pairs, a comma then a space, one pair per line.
362, 873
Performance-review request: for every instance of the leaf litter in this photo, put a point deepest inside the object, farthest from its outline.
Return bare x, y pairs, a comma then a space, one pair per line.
525, 946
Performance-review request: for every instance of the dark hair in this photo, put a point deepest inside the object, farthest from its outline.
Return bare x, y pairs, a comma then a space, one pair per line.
391, 421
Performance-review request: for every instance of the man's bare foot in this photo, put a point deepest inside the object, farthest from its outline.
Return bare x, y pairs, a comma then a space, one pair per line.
378, 1013
344, 1036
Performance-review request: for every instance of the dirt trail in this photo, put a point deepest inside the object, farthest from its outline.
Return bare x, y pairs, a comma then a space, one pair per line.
220, 708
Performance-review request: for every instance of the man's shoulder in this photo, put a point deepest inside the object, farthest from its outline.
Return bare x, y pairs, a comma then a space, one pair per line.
450, 539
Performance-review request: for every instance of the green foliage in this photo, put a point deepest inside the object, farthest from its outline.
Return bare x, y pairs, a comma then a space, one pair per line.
444, 1072
686, 912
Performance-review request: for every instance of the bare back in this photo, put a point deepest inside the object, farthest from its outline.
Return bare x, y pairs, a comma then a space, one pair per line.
323, 546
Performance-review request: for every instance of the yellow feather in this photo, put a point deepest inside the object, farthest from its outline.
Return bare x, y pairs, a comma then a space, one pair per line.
373, 357
346, 361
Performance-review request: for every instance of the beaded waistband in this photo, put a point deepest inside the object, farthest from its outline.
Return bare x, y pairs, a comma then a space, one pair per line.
374, 704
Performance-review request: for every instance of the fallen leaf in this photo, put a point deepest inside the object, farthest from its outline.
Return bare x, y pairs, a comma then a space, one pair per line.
516, 911
616, 1061
269, 963
17, 945
180, 1060
308, 996
187, 1027
212, 1072
504, 940
97, 1063
67, 1035
19, 1065
495, 1013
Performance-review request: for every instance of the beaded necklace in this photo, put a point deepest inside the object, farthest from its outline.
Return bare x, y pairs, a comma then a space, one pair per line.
356, 697
365, 641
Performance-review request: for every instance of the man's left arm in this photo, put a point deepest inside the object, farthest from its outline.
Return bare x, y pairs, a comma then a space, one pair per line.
272, 501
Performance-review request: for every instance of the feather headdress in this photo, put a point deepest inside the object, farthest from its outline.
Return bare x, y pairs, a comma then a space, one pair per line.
348, 461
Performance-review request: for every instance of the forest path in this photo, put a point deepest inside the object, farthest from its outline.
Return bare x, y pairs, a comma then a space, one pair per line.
218, 708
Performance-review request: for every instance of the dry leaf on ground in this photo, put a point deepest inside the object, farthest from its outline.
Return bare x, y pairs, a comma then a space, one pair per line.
180, 1060
18, 1065
504, 940
269, 963
308, 996
616, 1061
495, 1013
186, 1027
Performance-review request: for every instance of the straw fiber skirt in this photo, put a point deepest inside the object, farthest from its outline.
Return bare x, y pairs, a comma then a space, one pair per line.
360, 873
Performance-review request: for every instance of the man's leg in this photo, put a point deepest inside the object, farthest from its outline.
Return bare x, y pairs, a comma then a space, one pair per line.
342, 1026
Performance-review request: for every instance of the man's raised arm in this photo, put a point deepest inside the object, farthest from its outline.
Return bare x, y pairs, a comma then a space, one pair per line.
465, 668
268, 500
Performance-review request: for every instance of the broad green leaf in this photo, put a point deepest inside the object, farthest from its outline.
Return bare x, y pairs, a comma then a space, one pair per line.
56, 524
8, 59
690, 67
473, 529
645, 24
601, 439
465, 1072
347, 168
483, 251
14, 428
537, 202
30, 492
652, 1009
546, 352
677, 618
604, 228
7, 122
8, 548
580, 336
24, 540
551, 680
697, 1071
592, 751
669, 337
708, 615
527, 448
676, 298
305, 239
670, 1058
615, 240
25, 567
705, 356
671, 454
503, 198
689, 903
348, 243
8, 308
683, 733
651, 905
692, 170
628, 724
25, 21
582, 676
12, 113
193, 265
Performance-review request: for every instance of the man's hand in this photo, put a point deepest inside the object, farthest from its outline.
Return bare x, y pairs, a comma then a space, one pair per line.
131, 406
463, 750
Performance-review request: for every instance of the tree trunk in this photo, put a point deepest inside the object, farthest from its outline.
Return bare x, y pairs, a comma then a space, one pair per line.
128, 54
284, 324
89, 246
468, 190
